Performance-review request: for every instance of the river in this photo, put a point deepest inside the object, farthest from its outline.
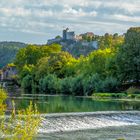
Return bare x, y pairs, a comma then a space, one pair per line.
81, 118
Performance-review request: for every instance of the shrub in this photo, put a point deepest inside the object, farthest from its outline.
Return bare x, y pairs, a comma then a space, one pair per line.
133, 90
3, 96
66, 85
77, 86
110, 95
26, 82
89, 85
110, 84
22, 125
50, 84
97, 82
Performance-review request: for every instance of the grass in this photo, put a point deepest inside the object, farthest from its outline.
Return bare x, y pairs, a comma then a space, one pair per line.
116, 95
22, 124
109, 95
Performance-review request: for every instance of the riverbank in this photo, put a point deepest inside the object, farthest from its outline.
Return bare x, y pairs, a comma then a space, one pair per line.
116, 96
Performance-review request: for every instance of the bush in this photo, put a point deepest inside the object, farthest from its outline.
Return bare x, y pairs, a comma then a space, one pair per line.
110, 95
66, 85
22, 125
96, 83
110, 84
89, 85
77, 86
3, 96
50, 84
133, 90
26, 82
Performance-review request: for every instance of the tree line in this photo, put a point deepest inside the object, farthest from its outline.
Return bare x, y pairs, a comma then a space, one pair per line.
50, 70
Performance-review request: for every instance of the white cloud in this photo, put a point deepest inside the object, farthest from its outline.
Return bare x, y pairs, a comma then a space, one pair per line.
15, 11
126, 18
39, 16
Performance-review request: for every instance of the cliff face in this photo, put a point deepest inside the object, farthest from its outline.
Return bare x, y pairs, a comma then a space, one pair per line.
79, 48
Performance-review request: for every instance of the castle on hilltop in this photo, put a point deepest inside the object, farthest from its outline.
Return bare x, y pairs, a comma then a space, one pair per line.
70, 39
68, 35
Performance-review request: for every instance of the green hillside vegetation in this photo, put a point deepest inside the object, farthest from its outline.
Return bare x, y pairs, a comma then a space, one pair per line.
8, 52
51, 70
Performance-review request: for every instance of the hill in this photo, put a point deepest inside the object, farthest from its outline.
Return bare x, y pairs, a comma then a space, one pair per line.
8, 51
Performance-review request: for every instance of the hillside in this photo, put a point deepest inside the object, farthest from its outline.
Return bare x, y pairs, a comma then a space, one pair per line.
77, 49
8, 51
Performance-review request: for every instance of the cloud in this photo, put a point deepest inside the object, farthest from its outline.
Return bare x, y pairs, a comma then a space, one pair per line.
47, 17
126, 18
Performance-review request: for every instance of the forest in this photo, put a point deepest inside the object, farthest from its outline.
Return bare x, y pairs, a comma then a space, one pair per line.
112, 67
8, 52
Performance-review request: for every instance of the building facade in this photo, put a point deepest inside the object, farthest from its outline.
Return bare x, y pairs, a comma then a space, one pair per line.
68, 35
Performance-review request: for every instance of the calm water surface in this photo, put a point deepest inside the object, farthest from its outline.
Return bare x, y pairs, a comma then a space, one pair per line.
100, 126
57, 104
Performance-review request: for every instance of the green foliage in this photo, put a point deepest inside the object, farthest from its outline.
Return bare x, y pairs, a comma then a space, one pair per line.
26, 70
110, 41
110, 84
8, 51
77, 86
52, 70
50, 84
128, 57
133, 90
31, 54
22, 125
88, 85
66, 86
3, 96
58, 64
97, 60
110, 95
27, 82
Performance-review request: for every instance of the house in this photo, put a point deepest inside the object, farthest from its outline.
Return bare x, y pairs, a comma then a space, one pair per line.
78, 37
89, 34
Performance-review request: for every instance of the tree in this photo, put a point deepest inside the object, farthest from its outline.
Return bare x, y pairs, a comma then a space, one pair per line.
128, 58
32, 53
66, 85
59, 64
96, 61
50, 84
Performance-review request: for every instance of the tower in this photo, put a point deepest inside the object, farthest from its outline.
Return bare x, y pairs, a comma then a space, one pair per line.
65, 33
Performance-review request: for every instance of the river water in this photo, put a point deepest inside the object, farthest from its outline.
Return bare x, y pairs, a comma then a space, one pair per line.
81, 118
91, 126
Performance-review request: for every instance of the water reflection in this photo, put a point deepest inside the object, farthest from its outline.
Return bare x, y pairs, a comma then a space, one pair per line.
55, 104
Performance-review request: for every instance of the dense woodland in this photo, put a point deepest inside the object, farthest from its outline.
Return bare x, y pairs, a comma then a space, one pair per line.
50, 70
8, 52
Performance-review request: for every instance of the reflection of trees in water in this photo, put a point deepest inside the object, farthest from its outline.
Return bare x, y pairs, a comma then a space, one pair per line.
131, 105
53, 104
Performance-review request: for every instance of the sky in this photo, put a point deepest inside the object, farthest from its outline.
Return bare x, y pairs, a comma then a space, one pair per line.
36, 21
